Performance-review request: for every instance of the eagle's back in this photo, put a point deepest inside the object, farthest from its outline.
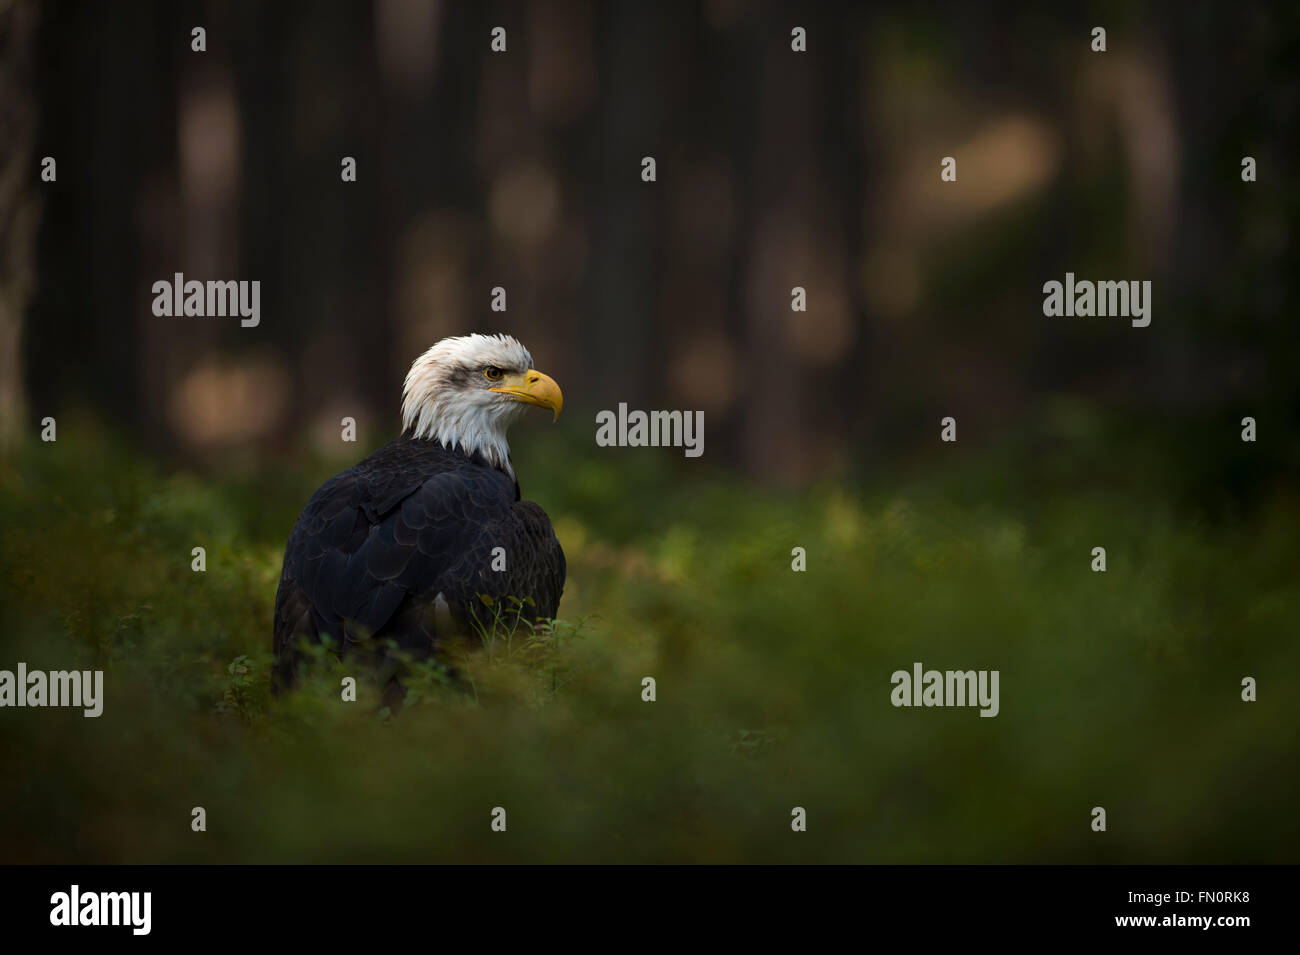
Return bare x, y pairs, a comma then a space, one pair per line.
405, 540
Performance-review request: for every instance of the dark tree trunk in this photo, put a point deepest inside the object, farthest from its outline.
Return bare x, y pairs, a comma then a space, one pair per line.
19, 206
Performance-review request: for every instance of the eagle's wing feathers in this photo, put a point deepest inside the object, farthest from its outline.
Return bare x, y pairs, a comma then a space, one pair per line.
377, 545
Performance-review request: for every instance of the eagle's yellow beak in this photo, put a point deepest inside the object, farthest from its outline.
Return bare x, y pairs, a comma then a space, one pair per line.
533, 387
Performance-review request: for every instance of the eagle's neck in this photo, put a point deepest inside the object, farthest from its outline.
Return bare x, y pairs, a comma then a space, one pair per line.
473, 430
491, 449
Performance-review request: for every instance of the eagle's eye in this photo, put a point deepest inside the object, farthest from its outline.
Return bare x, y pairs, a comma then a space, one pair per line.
493, 373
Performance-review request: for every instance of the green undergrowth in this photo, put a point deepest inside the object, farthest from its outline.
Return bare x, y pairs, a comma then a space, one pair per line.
1119, 689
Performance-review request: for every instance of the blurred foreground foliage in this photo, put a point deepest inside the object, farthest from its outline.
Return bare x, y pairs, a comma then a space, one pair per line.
1119, 690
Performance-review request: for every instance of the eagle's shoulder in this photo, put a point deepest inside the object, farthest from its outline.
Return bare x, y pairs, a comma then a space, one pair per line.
397, 523
407, 466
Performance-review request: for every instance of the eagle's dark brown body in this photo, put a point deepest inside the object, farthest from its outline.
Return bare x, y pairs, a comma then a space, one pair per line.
402, 545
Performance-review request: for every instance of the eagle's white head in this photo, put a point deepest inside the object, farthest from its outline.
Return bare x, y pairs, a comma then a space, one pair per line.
467, 391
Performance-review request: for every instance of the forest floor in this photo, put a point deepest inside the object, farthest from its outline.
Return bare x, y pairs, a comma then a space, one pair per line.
1120, 689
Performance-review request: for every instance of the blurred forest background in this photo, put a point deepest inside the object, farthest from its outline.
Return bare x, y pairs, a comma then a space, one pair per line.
775, 169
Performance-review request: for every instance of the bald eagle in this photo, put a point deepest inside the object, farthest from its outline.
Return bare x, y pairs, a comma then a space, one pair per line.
403, 545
